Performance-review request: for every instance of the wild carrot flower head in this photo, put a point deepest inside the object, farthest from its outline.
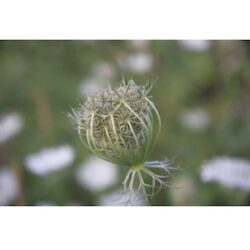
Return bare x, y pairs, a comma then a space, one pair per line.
121, 125
118, 124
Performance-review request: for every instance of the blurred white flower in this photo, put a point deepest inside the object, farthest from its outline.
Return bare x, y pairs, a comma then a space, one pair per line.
195, 119
97, 174
103, 73
10, 125
195, 45
90, 86
139, 44
104, 70
182, 191
118, 198
8, 186
228, 171
139, 62
50, 159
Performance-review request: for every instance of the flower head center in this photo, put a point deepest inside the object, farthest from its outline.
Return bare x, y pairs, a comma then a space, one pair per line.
137, 167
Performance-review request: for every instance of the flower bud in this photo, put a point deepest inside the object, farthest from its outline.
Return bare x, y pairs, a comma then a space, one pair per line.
118, 124
121, 125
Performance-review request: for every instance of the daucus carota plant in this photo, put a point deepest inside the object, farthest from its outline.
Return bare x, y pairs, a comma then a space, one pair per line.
121, 125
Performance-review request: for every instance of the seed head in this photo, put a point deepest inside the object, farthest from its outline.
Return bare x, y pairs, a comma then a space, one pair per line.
118, 124
121, 125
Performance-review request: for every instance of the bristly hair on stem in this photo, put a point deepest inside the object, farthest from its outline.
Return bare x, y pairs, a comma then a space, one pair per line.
121, 125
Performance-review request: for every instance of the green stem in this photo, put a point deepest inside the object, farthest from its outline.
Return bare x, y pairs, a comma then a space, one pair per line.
137, 168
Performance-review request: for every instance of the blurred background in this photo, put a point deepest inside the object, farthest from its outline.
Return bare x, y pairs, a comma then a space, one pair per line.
202, 92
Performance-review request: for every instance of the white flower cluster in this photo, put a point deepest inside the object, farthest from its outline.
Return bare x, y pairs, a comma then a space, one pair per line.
228, 171
10, 125
197, 119
139, 62
8, 186
50, 159
97, 174
195, 45
102, 73
119, 198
